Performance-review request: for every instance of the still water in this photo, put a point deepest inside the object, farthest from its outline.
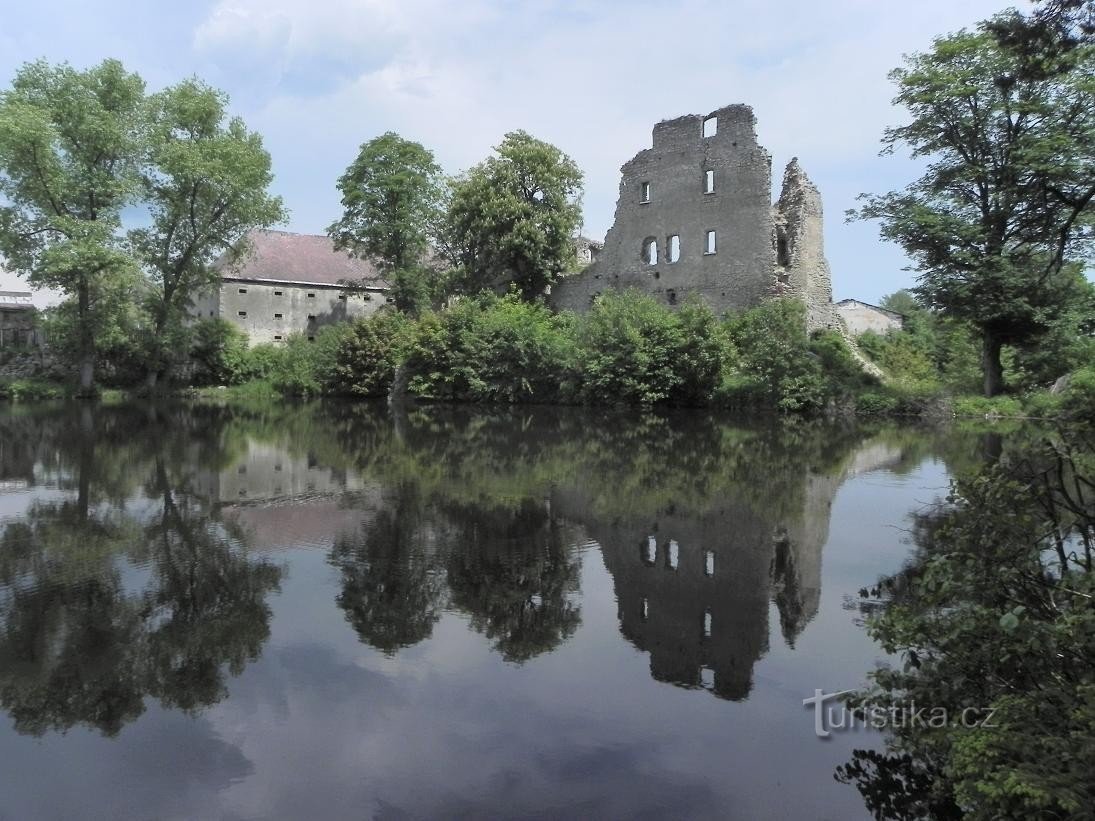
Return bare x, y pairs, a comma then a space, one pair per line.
341, 611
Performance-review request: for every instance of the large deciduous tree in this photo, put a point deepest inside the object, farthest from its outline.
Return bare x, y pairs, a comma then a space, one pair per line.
205, 185
514, 216
1005, 202
393, 200
69, 151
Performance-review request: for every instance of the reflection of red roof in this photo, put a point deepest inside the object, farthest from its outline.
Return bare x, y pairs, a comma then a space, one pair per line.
305, 258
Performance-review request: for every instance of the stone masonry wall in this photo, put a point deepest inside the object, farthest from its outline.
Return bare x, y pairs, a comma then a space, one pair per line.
708, 174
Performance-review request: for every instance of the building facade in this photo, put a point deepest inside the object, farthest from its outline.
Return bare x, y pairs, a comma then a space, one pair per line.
861, 317
18, 320
695, 216
292, 284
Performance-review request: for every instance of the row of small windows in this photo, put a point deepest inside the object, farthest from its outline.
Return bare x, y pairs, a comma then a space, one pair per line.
673, 556
312, 295
673, 247
708, 187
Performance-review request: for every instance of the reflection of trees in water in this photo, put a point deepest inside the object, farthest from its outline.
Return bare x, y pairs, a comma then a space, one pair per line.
512, 572
392, 589
80, 643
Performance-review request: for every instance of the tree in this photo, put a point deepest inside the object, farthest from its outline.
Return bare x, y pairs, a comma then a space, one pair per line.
514, 216
1005, 202
393, 198
69, 150
205, 183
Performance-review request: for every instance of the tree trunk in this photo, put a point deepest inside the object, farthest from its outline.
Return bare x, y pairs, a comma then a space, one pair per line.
991, 366
87, 342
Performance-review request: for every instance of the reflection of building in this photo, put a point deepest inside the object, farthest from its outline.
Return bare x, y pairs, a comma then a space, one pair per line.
693, 590
269, 472
292, 284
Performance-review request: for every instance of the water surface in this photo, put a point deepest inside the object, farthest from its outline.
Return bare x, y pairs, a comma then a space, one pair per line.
337, 610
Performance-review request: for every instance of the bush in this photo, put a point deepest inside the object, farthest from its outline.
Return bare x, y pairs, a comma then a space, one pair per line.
776, 367
1078, 399
369, 353
491, 349
633, 350
992, 407
218, 353
30, 390
309, 366
877, 402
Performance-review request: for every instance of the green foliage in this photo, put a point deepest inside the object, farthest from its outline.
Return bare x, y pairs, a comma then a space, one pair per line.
309, 367
491, 349
204, 183
513, 217
393, 200
990, 407
775, 368
30, 390
69, 151
218, 353
632, 350
1078, 401
369, 353
993, 239
993, 614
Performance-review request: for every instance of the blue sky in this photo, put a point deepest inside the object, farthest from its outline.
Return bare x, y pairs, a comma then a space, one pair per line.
318, 78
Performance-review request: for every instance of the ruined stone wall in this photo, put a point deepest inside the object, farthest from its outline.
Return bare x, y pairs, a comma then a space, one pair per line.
708, 174
738, 209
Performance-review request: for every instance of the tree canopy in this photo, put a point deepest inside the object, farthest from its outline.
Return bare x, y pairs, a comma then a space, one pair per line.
1005, 203
514, 216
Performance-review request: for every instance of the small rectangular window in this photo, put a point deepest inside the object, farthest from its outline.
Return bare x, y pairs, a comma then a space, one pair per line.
645, 192
277, 293
342, 297
277, 338
311, 339
278, 316
674, 249
243, 290
710, 126
242, 313
311, 317
709, 563
709, 182
651, 554
709, 244
707, 624
311, 295
672, 557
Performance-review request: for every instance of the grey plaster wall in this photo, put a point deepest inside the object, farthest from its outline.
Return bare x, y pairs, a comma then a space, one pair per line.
254, 307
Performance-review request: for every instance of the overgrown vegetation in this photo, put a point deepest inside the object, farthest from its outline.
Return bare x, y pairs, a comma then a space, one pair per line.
995, 614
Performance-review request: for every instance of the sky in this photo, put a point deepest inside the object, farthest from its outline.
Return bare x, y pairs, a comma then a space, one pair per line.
320, 77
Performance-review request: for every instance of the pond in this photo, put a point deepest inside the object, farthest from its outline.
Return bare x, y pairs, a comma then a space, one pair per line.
339, 610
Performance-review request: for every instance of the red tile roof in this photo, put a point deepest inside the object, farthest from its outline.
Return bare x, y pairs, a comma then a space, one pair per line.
306, 258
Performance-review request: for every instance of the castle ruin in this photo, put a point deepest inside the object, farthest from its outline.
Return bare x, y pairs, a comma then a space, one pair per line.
695, 216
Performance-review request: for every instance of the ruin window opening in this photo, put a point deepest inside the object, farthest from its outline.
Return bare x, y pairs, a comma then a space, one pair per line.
277, 338
672, 296
312, 295
709, 182
650, 251
241, 313
673, 555
243, 290
707, 624
710, 246
277, 293
278, 316
783, 254
709, 563
673, 248
644, 609
644, 195
710, 126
